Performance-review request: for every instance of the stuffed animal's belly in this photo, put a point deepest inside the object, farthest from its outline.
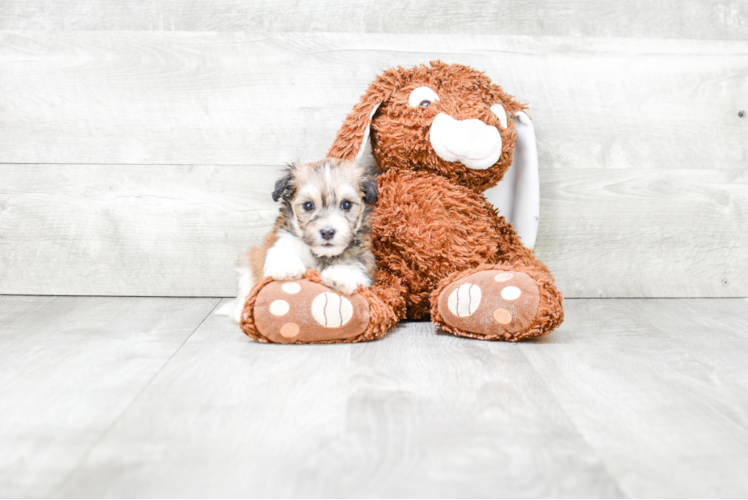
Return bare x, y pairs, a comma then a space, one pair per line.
426, 228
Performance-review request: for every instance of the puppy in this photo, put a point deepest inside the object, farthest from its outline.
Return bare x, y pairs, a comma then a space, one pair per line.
324, 224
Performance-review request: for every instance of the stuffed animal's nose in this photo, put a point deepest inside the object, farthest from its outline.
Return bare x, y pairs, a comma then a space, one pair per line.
471, 142
327, 233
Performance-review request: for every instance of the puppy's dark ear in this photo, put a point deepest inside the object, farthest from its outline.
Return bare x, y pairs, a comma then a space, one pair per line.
369, 188
280, 187
285, 184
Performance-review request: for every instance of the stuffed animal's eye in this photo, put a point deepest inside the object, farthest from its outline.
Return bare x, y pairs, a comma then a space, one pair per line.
346, 205
422, 97
308, 206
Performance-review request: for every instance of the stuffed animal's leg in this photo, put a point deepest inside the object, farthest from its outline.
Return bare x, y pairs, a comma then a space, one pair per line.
305, 311
498, 302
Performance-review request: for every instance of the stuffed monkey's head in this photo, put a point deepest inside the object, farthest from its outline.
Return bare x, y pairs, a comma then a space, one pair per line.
446, 119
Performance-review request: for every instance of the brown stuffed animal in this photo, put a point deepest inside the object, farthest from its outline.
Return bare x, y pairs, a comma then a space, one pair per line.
441, 137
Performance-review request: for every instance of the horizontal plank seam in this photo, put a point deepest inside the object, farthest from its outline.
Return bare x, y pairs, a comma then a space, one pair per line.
302, 34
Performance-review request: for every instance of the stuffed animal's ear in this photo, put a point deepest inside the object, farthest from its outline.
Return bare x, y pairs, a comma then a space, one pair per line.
350, 141
284, 185
517, 196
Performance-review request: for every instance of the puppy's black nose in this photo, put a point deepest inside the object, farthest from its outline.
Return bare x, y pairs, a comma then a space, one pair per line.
327, 233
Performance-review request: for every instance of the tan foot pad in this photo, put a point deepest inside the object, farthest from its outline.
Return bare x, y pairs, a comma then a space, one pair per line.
490, 302
303, 311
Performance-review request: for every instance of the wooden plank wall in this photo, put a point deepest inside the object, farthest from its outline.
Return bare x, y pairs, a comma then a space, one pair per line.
139, 142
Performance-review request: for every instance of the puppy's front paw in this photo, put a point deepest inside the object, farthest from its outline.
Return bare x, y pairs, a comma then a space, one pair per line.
291, 269
344, 280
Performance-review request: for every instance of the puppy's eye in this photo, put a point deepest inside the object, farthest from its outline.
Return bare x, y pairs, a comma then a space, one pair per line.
308, 206
422, 97
346, 205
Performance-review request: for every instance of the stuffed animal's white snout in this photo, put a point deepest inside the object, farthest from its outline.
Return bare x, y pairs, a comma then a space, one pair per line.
471, 142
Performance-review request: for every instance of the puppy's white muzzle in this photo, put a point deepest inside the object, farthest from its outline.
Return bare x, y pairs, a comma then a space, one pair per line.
471, 142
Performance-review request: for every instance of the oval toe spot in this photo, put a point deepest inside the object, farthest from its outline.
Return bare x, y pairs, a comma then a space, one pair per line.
318, 308
452, 302
504, 276
279, 307
331, 310
464, 300
289, 330
291, 287
510, 293
502, 316
346, 310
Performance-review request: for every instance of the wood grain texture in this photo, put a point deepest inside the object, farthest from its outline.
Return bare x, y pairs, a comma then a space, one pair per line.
658, 388
645, 233
177, 230
69, 368
417, 414
130, 230
257, 99
713, 331
642, 152
629, 398
705, 19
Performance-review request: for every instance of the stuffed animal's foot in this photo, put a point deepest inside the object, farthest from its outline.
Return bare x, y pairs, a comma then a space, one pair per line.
303, 311
489, 304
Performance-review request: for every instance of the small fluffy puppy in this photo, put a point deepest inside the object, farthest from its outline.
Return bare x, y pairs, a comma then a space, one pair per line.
324, 224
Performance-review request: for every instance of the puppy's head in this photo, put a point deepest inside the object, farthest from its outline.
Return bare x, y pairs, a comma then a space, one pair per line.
326, 203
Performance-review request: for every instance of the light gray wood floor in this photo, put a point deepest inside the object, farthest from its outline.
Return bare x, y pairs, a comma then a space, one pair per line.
158, 397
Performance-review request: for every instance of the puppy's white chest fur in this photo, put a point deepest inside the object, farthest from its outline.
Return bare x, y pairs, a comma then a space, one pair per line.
290, 257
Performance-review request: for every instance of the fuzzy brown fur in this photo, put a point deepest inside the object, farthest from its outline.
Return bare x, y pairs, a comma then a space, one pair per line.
380, 314
432, 224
